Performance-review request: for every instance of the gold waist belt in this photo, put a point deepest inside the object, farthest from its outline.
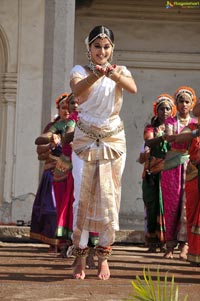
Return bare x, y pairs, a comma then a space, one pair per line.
98, 134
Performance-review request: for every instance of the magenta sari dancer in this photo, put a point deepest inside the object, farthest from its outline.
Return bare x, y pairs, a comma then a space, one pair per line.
66, 199
173, 187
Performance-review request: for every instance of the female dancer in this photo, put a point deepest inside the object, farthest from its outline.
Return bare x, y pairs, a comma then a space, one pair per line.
99, 149
63, 180
173, 175
153, 158
44, 218
191, 134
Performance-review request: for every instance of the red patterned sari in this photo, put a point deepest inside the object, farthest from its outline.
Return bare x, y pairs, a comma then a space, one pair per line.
193, 200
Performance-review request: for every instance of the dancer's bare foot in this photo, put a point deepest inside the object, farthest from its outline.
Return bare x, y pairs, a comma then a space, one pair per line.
79, 268
183, 251
103, 269
169, 253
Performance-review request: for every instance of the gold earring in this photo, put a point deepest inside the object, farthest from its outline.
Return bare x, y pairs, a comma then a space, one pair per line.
89, 55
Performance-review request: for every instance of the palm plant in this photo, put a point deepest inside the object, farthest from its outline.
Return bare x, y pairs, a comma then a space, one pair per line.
146, 290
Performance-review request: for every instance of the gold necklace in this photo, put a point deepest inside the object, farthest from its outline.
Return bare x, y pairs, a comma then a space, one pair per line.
183, 120
92, 66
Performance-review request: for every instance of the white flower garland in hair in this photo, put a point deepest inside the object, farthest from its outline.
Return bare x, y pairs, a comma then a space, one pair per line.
87, 43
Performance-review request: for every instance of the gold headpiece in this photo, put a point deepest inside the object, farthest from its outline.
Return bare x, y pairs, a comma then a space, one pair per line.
101, 36
185, 90
164, 98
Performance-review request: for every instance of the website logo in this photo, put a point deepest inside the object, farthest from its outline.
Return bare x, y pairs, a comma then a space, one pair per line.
184, 4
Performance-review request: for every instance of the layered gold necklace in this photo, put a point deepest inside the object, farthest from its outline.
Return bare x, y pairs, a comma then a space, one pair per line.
92, 66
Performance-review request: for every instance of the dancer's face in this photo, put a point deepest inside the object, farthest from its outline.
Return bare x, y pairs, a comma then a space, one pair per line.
73, 105
164, 111
63, 111
184, 105
101, 50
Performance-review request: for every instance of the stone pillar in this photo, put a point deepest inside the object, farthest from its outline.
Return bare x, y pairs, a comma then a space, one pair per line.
8, 121
59, 53
27, 123
8, 106
29, 96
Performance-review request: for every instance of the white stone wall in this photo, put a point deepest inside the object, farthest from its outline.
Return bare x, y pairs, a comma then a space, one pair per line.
34, 38
161, 48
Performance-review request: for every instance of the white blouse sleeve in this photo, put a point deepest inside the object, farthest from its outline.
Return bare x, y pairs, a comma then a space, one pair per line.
124, 71
77, 71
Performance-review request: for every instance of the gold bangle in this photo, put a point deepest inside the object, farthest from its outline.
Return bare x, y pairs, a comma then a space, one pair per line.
110, 73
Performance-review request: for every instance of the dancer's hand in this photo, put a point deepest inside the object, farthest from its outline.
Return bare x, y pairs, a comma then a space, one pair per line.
99, 71
105, 71
56, 139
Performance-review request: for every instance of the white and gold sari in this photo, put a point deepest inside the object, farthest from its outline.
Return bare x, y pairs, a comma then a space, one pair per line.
99, 152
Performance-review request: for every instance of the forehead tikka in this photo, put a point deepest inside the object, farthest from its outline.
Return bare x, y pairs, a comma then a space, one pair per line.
102, 35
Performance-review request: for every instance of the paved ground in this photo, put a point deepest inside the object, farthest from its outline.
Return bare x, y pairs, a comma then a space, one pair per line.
28, 272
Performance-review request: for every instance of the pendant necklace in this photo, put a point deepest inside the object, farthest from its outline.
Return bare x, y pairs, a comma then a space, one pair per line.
182, 121
92, 66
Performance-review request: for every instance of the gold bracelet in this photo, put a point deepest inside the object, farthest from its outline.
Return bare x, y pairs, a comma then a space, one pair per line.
110, 73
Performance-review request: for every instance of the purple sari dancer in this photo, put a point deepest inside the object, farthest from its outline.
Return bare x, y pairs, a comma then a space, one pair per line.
44, 216
43, 221
44, 212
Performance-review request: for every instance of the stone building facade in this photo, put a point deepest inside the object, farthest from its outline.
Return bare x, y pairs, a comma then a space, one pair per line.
41, 40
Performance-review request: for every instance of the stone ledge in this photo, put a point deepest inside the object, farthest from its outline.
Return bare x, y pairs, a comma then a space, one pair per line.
9, 233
